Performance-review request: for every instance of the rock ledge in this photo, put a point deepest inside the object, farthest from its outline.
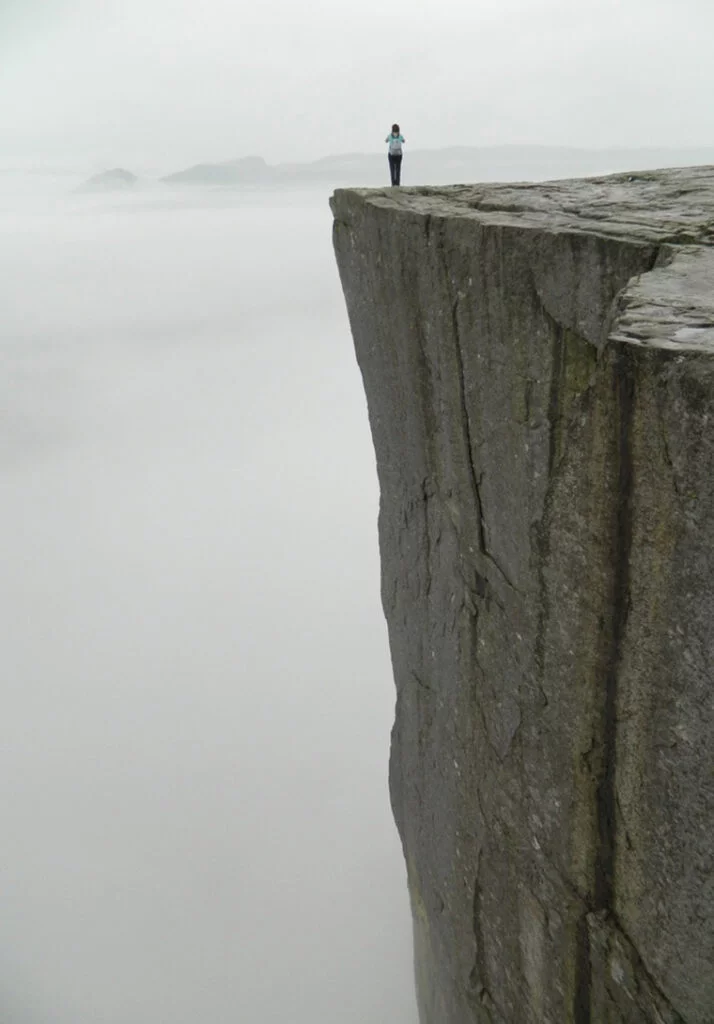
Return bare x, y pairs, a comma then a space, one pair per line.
538, 367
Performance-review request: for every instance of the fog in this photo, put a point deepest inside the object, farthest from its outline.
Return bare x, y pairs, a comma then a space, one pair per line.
166, 83
197, 693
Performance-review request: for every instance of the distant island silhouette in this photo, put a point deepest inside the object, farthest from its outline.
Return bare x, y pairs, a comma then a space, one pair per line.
453, 165
109, 181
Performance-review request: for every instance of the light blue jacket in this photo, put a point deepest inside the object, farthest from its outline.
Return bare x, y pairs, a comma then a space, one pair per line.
395, 144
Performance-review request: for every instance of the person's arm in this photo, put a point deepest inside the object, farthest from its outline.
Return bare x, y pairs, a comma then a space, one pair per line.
387, 139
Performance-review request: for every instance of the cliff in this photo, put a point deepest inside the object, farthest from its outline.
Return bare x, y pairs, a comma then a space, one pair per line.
540, 382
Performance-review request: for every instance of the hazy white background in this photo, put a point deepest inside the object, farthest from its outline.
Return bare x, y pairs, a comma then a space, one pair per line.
196, 690
161, 83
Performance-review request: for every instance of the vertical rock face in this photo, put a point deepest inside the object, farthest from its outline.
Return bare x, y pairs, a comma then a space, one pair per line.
539, 369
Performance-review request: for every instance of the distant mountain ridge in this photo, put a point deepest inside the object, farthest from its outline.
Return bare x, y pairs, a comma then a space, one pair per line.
246, 169
453, 165
436, 166
109, 181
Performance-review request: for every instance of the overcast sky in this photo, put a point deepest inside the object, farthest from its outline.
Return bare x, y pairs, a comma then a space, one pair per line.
168, 82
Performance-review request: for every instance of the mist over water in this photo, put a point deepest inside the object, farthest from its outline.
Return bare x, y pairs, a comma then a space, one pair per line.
197, 693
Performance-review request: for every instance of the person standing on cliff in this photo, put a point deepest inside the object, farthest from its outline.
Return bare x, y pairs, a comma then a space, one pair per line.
395, 141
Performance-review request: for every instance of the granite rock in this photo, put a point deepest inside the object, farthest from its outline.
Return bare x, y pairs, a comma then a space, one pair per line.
538, 364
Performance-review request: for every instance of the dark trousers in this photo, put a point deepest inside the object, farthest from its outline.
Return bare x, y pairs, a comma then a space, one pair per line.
395, 168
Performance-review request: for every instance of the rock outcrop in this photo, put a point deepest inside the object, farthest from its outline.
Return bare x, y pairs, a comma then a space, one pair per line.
539, 369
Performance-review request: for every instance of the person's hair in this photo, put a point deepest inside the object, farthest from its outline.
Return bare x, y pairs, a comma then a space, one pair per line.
395, 129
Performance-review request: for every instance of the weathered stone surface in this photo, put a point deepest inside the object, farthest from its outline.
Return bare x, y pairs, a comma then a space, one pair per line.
540, 381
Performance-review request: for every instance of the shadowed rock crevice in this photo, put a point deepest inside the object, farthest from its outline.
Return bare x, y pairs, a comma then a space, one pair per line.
468, 443
582, 1005
478, 979
625, 385
538, 364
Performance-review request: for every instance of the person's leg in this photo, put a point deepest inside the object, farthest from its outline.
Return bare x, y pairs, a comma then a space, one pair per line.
398, 170
392, 169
